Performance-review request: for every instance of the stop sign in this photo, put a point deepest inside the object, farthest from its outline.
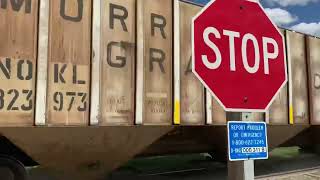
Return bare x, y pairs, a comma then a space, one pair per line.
238, 54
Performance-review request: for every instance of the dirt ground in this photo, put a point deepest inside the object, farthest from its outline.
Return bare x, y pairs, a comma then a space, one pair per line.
204, 167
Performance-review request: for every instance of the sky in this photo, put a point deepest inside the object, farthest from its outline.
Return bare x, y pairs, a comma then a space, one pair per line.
298, 15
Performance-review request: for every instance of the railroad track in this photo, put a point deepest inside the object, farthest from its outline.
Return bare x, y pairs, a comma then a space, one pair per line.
301, 174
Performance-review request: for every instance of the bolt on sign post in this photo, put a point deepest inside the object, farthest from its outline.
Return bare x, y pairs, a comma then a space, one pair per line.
242, 64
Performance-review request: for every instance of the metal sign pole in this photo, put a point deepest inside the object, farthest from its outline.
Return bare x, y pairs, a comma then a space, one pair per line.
240, 170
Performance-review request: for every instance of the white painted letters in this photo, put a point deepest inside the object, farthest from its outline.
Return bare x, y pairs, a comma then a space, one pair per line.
246, 39
232, 35
206, 33
268, 55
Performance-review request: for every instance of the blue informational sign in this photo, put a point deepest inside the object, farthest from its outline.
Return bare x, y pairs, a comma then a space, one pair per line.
247, 140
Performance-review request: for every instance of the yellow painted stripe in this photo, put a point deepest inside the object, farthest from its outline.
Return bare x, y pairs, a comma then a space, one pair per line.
291, 115
177, 112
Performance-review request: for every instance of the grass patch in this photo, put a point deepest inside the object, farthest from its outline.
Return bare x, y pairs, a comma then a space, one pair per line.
162, 163
285, 152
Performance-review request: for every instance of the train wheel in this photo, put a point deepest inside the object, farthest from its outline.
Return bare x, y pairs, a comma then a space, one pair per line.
11, 169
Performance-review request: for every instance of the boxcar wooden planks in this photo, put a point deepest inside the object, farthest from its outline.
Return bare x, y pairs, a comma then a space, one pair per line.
278, 111
42, 64
69, 62
18, 50
313, 45
219, 116
192, 91
154, 66
118, 61
298, 86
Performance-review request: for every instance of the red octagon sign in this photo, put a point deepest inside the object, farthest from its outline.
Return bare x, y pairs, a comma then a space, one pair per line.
238, 54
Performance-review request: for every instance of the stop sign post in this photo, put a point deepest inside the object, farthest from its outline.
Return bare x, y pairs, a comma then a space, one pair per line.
239, 56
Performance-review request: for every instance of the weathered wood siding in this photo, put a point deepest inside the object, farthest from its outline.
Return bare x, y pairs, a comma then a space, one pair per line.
313, 45
298, 81
154, 48
137, 46
219, 116
18, 57
279, 110
191, 89
69, 62
118, 45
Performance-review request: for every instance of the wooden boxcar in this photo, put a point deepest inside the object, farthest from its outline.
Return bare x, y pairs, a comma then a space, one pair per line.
86, 85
